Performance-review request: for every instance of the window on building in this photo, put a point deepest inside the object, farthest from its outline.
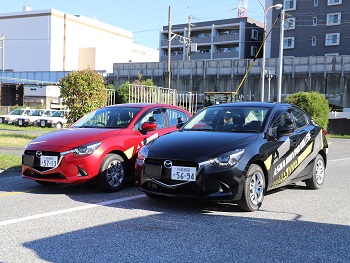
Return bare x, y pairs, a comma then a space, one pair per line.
313, 41
315, 2
255, 34
253, 51
334, 2
333, 19
332, 39
314, 21
290, 23
288, 42
290, 4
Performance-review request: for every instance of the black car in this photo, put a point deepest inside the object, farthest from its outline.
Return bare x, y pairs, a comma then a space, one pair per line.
235, 152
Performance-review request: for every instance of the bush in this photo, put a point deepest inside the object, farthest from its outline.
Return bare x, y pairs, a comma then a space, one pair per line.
313, 103
82, 91
122, 93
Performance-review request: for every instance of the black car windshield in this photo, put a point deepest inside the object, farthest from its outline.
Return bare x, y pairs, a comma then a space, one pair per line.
228, 118
110, 117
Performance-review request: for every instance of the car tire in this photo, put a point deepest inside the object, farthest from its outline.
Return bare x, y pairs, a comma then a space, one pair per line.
45, 182
318, 174
59, 125
112, 173
253, 189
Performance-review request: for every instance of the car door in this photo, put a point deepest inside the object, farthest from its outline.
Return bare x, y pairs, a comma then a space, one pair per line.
280, 148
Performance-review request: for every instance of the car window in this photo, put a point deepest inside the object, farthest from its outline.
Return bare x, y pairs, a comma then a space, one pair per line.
108, 118
174, 115
223, 118
155, 115
300, 118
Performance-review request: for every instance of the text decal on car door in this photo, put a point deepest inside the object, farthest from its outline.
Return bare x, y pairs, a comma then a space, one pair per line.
290, 163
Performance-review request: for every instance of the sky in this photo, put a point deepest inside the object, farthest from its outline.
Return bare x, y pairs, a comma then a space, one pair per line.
144, 18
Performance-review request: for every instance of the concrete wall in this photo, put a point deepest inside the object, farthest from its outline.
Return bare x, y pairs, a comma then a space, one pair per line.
327, 75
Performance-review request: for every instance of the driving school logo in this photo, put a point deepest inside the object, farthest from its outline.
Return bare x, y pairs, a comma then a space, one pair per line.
290, 163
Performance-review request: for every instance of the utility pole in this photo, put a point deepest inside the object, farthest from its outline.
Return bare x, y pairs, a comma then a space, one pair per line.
3, 52
169, 47
188, 42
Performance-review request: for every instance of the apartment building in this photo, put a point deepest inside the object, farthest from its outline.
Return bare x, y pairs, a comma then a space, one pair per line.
312, 28
220, 39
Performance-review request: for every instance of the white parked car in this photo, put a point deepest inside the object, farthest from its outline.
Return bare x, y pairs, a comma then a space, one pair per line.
32, 119
57, 119
13, 115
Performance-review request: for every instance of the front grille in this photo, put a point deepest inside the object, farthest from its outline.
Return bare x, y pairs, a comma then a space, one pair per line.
36, 165
154, 168
174, 162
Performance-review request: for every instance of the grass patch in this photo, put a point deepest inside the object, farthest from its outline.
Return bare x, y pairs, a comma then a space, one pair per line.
10, 161
11, 127
15, 139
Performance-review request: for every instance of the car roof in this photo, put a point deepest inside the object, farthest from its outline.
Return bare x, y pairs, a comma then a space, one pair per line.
253, 104
141, 105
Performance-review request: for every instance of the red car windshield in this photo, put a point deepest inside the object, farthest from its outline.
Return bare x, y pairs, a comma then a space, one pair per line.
107, 118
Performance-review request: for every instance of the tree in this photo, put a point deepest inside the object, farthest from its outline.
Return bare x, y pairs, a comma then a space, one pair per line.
313, 103
82, 91
122, 93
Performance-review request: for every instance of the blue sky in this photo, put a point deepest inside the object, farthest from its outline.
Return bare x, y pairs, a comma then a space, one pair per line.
144, 18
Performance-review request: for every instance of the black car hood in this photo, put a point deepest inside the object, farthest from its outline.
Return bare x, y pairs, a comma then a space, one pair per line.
198, 145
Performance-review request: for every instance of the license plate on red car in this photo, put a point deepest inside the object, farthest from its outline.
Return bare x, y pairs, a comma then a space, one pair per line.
183, 173
48, 161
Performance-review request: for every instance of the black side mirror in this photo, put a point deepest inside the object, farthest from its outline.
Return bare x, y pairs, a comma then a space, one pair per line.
179, 123
285, 128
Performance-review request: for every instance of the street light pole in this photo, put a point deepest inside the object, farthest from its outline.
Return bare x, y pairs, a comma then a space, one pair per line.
277, 6
280, 67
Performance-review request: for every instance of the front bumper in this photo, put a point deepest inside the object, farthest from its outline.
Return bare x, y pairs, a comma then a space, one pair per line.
212, 182
69, 169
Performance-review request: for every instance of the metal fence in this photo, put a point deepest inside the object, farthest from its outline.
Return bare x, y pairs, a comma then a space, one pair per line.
152, 94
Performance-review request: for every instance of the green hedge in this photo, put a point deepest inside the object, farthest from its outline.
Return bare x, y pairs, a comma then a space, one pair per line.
313, 103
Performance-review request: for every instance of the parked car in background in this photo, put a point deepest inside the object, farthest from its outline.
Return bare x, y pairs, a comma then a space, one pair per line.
32, 119
13, 115
102, 145
235, 152
57, 119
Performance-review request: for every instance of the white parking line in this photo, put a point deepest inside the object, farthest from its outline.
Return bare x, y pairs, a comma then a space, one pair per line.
336, 160
69, 210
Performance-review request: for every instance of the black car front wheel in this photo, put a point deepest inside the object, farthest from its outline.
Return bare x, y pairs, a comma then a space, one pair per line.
318, 174
253, 190
112, 173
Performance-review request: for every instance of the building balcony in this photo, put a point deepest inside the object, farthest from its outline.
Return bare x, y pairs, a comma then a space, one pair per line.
232, 54
226, 38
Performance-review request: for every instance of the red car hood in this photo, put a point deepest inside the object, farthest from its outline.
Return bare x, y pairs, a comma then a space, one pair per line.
70, 138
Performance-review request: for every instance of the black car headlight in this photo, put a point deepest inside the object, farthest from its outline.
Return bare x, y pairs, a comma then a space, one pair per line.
86, 149
228, 159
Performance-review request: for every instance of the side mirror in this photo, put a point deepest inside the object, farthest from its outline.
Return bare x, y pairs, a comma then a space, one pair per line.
179, 123
148, 126
285, 128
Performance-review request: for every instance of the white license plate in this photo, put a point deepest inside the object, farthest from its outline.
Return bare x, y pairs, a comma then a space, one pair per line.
183, 173
48, 161
20, 122
42, 123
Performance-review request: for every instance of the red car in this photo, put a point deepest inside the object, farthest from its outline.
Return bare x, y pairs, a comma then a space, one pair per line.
101, 145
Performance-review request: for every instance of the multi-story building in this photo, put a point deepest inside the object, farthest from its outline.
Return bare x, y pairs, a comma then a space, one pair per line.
312, 28
50, 40
220, 39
